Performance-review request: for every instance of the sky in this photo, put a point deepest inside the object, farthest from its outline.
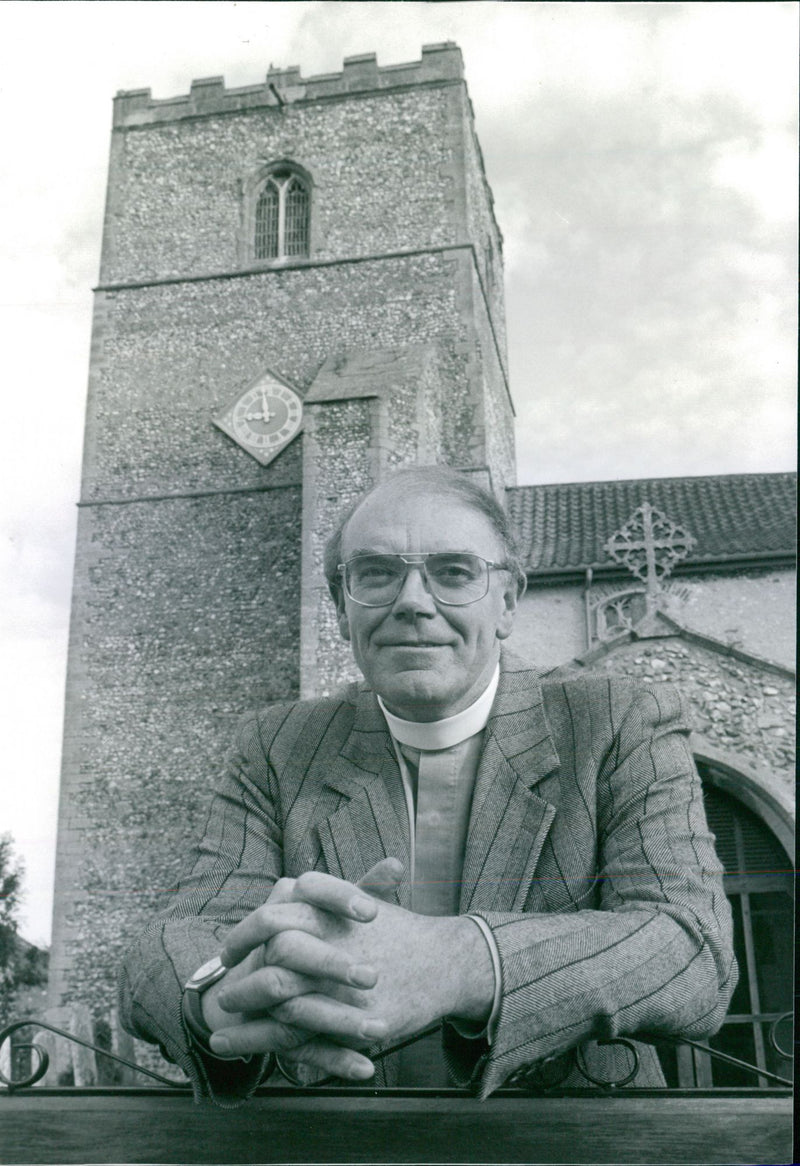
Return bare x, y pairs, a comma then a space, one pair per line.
643, 159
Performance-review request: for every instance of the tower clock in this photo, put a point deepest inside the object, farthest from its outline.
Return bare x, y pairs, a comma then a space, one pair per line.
263, 418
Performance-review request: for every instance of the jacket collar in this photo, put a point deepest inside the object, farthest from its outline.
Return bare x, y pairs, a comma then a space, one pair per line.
517, 722
508, 823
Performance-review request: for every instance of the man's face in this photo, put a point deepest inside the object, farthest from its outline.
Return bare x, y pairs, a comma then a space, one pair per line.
426, 660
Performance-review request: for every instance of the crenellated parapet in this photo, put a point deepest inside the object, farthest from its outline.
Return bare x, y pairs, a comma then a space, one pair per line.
360, 74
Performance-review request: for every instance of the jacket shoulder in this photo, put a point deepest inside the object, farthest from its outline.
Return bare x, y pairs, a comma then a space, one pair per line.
280, 726
559, 683
616, 698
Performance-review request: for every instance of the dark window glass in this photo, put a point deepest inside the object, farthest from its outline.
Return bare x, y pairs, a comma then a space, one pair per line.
282, 217
296, 218
267, 219
759, 882
737, 1040
740, 1002
771, 916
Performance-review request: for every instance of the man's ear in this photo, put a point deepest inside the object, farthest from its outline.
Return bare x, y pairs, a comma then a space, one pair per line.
511, 597
337, 594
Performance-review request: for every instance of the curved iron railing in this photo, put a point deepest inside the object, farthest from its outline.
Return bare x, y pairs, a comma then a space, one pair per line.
536, 1078
553, 1071
43, 1056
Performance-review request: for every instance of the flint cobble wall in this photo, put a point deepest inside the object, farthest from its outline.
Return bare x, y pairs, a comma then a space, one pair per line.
736, 706
384, 169
173, 354
185, 618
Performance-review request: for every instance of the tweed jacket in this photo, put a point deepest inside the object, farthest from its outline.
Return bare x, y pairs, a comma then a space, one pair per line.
588, 856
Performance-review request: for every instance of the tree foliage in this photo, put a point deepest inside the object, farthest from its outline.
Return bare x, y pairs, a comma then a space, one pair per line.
10, 889
21, 964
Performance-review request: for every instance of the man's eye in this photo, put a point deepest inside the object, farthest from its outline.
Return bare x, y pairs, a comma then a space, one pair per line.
375, 572
453, 572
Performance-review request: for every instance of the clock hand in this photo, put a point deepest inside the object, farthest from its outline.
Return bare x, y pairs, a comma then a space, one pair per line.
265, 407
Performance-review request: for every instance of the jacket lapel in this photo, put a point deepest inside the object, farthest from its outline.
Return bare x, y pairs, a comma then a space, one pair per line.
509, 822
373, 822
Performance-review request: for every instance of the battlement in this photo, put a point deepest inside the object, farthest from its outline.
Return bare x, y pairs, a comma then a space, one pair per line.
282, 87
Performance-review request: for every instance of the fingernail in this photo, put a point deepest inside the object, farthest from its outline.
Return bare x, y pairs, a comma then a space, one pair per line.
362, 976
373, 1028
220, 1044
360, 1067
362, 908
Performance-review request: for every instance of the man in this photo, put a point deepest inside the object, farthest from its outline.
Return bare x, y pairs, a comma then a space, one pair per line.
534, 864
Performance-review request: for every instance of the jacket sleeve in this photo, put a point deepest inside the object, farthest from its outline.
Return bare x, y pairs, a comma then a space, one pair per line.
657, 955
232, 872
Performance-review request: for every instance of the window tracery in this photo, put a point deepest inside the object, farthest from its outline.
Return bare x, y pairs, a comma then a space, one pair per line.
282, 215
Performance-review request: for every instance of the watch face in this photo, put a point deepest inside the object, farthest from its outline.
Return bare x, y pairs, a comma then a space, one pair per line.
208, 974
264, 418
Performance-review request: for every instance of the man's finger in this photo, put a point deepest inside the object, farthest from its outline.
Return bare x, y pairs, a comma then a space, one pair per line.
263, 989
314, 889
282, 891
335, 895
265, 1036
343, 898
331, 1018
294, 963
311, 956
260, 926
333, 1060
382, 880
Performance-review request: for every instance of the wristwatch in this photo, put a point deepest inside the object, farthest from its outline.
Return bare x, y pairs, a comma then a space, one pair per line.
193, 989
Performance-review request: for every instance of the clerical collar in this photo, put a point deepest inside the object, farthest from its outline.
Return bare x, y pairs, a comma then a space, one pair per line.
431, 735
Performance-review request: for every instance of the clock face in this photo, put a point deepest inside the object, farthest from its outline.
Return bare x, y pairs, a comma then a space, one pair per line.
264, 418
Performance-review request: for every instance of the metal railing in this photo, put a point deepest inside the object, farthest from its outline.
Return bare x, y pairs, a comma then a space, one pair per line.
533, 1079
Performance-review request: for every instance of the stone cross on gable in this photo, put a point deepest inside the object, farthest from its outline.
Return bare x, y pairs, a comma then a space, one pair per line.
649, 545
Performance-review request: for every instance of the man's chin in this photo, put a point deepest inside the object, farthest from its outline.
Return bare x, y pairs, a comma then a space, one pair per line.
415, 694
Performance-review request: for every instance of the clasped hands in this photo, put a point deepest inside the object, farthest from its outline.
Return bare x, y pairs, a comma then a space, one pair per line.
327, 968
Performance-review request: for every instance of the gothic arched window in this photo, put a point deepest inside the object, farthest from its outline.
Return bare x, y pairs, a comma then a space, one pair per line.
282, 217
759, 883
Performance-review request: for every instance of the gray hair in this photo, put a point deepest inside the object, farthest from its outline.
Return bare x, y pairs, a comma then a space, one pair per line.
441, 480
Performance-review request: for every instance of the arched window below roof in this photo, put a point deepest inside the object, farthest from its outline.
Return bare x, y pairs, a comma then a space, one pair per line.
759, 882
282, 215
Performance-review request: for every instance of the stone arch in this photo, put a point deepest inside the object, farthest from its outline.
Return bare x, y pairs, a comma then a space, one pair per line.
751, 786
251, 190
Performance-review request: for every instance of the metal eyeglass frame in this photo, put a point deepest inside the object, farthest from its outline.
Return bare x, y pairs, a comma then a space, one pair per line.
419, 560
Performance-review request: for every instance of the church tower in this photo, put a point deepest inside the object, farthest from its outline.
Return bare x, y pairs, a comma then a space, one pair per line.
301, 288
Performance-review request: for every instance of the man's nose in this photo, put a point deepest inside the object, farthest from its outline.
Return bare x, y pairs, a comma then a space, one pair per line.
414, 597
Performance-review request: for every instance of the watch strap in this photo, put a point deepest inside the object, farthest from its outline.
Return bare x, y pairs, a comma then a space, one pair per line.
192, 1009
195, 1022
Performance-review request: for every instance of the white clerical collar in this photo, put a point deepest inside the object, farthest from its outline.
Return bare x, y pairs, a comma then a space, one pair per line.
430, 735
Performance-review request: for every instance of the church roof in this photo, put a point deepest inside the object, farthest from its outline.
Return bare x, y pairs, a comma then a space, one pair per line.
735, 519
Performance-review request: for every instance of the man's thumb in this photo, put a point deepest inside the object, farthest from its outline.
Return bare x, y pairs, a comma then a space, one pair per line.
382, 880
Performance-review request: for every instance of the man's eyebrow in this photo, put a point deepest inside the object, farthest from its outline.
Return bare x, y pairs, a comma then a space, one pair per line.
394, 554
369, 551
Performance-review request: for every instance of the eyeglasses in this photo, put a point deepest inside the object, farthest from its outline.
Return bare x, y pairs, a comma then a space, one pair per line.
455, 578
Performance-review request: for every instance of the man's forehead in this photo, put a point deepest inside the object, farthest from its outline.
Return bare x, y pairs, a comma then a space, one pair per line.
397, 519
